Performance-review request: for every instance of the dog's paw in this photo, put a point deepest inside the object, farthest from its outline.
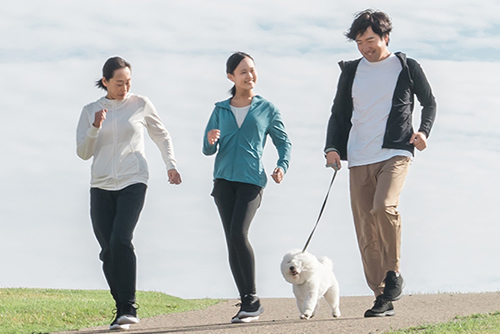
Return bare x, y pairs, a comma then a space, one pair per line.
306, 316
336, 314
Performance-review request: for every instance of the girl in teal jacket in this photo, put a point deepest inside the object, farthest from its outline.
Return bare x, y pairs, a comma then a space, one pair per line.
237, 132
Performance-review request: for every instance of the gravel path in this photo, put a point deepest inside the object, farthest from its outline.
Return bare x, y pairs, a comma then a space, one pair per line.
281, 316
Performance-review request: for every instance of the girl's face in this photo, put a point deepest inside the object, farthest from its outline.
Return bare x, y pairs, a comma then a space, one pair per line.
119, 85
244, 76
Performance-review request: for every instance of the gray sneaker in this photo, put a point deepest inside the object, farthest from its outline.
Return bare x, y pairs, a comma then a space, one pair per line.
381, 308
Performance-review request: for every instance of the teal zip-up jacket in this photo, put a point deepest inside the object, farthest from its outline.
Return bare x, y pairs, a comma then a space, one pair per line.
239, 149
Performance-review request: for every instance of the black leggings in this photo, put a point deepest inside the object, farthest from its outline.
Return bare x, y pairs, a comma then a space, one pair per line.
237, 203
114, 217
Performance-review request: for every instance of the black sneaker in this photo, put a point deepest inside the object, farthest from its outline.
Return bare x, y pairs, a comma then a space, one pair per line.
250, 306
381, 308
250, 309
127, 314
394, 285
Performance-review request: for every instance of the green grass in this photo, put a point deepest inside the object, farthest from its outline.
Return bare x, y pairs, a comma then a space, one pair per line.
474, 324
28, 311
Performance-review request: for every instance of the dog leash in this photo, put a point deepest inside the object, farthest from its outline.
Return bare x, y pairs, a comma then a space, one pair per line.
335, 167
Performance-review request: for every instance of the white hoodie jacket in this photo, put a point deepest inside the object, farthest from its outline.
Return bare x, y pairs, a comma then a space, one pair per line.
118, 146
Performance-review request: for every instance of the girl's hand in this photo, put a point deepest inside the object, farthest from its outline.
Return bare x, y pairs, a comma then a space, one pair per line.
174, 177
278, 175
213, 136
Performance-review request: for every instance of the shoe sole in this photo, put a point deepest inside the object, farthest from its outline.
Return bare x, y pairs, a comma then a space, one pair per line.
245, 314
127, 320
393, 299
243, 320
118, 327
389, 313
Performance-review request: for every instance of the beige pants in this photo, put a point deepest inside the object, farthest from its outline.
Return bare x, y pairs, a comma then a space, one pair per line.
375, 191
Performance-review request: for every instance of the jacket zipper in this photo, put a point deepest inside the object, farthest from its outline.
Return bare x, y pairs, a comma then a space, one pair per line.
115, 157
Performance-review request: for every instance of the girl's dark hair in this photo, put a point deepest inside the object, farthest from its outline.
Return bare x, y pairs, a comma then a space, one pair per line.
109, 68
379, 22
232, 62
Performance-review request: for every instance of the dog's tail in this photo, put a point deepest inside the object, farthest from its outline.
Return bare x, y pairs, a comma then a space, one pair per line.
326, 262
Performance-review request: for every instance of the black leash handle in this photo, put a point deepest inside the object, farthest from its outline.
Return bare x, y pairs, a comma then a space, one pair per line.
322, 208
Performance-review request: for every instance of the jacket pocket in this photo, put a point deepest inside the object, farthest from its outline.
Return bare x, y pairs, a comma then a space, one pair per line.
103, 162
131, 163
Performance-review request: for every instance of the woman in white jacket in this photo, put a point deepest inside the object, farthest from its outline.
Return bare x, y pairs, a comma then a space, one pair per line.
111, 130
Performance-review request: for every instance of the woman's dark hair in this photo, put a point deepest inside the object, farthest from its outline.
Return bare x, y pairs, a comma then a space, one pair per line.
109, 68
379, 22
232, 63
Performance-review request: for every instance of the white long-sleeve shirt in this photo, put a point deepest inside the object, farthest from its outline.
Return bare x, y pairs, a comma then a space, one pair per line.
118, 146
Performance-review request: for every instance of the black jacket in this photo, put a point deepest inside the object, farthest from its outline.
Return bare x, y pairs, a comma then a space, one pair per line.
399, 129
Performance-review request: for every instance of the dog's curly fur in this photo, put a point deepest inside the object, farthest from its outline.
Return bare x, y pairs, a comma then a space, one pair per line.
312, 278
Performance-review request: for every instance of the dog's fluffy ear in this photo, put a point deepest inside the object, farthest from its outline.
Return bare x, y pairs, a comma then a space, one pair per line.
294, 251
289, 256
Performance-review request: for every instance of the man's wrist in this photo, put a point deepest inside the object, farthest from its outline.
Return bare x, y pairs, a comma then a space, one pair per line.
330, 149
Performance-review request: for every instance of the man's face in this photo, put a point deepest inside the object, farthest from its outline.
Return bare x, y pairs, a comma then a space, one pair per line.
372, 46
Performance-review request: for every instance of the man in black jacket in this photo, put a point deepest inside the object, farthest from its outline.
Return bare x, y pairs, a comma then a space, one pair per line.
371, 127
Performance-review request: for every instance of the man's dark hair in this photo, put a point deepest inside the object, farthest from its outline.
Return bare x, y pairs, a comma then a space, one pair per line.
379, 22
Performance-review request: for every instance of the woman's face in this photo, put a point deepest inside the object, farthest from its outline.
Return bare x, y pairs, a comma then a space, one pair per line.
245, 75
119, 85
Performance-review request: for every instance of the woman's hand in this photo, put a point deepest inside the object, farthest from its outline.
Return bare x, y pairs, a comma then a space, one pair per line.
174, 177
278, 175
213, 136
100, 116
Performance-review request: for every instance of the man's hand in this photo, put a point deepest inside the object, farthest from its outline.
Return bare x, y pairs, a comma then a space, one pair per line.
333, 158
419, 140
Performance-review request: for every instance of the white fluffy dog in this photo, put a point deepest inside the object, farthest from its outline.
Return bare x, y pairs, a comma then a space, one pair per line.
311, 279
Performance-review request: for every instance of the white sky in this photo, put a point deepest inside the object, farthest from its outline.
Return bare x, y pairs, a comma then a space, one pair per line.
53, 51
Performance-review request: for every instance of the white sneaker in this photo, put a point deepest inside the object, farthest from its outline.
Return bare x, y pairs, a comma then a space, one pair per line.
127, 319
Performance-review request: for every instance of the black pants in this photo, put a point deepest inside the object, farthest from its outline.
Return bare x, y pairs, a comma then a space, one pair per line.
237, 204
114, 217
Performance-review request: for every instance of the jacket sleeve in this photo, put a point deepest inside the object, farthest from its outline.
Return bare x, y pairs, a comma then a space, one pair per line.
159, 134
281, 141
423, 91
213, 123
86, 136
339, 123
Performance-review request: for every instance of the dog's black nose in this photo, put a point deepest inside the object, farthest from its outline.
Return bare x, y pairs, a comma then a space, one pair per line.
292, 268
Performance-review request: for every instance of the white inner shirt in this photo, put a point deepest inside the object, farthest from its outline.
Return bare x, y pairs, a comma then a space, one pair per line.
240, 114
372, 93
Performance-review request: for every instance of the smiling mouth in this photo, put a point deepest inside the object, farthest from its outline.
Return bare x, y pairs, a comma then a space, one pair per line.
294, 273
